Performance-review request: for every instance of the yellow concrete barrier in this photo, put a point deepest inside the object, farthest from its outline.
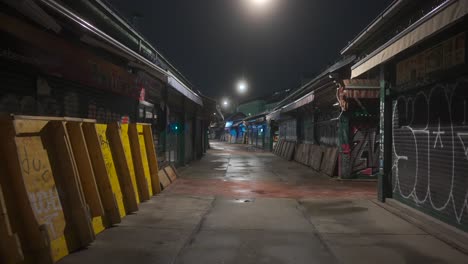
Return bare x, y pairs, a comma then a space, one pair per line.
86, 172
128, 155
141, 179
164, 179
65, 180
78, 231
112, 214
30, 188
171, 173
10, 246
121, 166
152, 158
144, 157
110, 167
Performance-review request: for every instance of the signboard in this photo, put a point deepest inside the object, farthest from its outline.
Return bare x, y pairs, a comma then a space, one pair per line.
444, 56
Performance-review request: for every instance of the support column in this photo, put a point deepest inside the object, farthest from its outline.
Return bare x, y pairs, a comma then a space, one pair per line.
181, 136
385, 170
345, 150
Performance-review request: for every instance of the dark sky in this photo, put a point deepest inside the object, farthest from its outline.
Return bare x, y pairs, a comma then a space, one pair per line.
216, 42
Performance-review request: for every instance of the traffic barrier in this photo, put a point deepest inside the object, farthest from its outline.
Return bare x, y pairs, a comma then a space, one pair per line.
285, 149
298, 153
302, 153
171, 173
78, 230
329, 161
152, 158
141, 181
10, 246
86, 172
47, 230
290, 151
110, 168
68, 179
307, 154
112, 215
164, 179
121, 166
144, 157
320, 158
141, 193
316, 156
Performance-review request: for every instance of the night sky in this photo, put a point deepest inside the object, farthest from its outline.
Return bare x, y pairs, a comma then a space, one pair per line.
216, 42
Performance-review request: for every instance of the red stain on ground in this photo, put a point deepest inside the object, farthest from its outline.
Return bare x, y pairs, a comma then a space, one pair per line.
252, 189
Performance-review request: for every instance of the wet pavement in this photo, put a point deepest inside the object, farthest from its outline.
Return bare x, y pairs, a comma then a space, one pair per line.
240, 205
241, 171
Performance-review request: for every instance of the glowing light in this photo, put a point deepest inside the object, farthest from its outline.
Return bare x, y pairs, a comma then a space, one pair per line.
260, 2
242, 86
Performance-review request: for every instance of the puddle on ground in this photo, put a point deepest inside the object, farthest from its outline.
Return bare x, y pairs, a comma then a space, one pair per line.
242, 201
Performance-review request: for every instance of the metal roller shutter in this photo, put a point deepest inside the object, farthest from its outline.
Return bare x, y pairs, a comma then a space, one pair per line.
430, 151
76, 100
288, 129
17, 92
188, 140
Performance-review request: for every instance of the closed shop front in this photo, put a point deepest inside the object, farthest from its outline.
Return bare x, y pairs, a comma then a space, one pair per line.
308, 128
326, 128
42, 74
260, 136
28, 93
288, 129
189, 133
430, 132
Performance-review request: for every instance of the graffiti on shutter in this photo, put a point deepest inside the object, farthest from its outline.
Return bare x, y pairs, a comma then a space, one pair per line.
365, 150
430, 151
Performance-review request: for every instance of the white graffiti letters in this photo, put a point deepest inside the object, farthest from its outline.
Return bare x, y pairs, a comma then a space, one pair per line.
430, 150
45, 202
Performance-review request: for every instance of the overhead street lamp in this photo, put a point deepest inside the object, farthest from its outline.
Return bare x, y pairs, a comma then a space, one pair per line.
260, 2
242, 86
260, 5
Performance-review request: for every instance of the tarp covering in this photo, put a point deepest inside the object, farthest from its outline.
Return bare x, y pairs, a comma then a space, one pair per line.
430, 24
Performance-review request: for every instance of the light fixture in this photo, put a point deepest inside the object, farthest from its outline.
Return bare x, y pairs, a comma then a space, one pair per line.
242, 86
260, 2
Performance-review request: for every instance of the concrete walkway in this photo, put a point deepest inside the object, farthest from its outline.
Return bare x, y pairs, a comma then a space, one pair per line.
243, 206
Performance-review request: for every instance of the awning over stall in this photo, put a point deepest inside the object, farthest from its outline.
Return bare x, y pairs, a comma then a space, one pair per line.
441, 17
307, 99
275, 115
361, 88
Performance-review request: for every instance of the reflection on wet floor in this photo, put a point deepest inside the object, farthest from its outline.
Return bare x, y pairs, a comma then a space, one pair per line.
236, 172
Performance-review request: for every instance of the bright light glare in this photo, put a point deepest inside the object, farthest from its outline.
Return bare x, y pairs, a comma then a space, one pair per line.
260, 2
242, 86
225, 103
